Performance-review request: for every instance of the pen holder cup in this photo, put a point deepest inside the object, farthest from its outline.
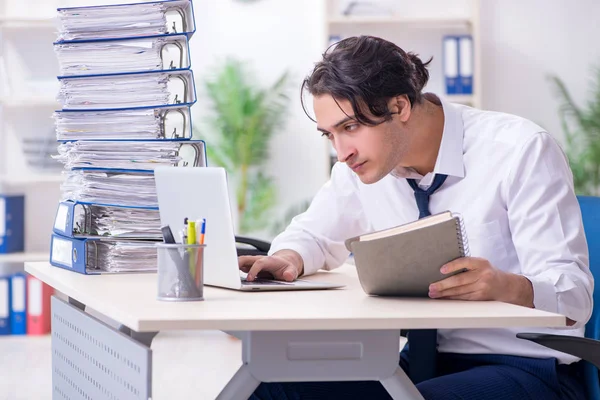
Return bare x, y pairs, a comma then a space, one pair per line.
180, 272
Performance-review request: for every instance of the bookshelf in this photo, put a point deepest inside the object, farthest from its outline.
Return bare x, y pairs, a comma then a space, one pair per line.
419, 28
28, 88
24, 257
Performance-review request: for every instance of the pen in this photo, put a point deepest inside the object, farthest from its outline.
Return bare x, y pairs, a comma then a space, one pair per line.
202, 231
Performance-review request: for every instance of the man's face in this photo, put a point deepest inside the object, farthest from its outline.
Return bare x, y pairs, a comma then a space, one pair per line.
371, 152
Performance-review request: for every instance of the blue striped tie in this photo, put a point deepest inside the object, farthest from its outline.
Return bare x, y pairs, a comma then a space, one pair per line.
422, 343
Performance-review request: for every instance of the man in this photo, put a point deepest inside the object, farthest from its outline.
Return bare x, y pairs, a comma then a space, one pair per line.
506, 176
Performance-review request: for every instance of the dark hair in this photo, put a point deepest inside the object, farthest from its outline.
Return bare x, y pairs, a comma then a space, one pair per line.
367, 71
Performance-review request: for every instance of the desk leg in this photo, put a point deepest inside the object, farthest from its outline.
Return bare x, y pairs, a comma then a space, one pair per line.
320, 356
399, 386
241, 386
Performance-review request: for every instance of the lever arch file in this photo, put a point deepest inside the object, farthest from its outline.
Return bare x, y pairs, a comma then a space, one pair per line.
106, 187
465, 64
166, 123
75, 219
450, 61
405, 260
132, 90
12, 224
18, 306
125, 20
136, 155
157, 53
96, 256
38, 306
4, 305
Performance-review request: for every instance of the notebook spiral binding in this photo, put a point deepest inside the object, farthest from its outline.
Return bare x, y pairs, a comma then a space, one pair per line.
461, 231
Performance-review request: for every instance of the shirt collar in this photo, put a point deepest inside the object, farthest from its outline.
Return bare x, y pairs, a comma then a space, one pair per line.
450, 156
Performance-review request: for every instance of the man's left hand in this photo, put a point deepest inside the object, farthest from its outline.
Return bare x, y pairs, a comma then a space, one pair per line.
481, 281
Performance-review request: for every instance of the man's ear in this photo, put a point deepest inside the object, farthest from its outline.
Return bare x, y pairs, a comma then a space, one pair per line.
401, 106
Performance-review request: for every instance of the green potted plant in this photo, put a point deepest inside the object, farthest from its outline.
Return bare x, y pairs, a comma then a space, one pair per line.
582, 131
243, 119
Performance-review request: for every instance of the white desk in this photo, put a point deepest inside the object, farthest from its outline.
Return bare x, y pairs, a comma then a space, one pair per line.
340, 334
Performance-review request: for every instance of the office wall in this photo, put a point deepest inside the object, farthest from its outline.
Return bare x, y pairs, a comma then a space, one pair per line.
522, 42
525, 40
273, 36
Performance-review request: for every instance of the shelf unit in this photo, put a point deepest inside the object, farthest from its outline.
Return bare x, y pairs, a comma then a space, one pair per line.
28, 89
419, 28
417, 23
24, 257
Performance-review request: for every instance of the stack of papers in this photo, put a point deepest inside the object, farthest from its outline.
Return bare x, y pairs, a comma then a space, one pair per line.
109, 57
123, 256
112, 21
119, 56
121, 91
126, 88
91, 220
121, 155
130, 223
123, 124
128, 189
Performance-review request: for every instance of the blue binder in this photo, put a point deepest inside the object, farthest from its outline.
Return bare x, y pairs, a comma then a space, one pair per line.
450, 63
179, 14
79, 255
12, 224
70, 254
18, 304
72, 218
184, 95
174, 52
192, 153
4, 305
175, 124
465, 64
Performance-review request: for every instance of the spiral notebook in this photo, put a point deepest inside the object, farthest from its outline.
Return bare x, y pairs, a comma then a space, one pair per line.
405, 260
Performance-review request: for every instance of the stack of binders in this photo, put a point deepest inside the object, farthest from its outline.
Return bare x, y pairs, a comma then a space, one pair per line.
126, 89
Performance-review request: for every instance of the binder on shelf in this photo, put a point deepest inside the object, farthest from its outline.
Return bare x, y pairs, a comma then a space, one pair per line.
465, 64
127, 20
165, 123
92, 256
450, 61
134, 90
127, 155
156, 53
84, 220
12, 224
18, 305
38, 306
4, 305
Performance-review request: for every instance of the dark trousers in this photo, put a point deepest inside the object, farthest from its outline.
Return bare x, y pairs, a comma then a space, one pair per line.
459, 377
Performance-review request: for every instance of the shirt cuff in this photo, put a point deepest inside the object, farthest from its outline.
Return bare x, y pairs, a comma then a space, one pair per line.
544, 295
309, 266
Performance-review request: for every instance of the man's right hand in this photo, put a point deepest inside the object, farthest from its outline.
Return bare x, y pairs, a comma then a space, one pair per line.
285, 265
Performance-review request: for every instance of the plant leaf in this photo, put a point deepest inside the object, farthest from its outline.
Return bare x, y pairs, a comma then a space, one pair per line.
261, 198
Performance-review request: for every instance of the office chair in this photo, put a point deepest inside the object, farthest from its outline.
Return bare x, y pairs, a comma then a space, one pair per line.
247, 246
587, 348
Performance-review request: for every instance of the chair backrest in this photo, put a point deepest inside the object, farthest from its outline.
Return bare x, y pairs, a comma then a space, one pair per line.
590, 210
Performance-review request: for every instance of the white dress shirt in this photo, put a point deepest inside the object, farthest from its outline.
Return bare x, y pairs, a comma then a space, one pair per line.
512, 184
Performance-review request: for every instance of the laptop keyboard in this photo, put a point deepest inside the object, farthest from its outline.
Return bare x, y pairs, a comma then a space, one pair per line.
259, 281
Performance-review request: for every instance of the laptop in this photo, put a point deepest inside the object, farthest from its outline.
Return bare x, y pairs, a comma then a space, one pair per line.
202, 192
